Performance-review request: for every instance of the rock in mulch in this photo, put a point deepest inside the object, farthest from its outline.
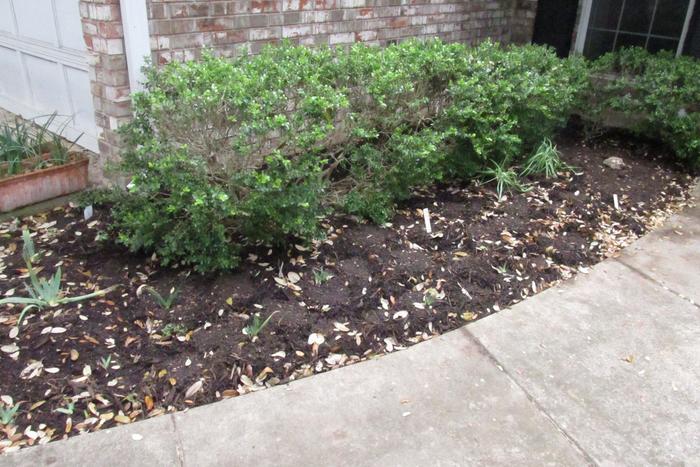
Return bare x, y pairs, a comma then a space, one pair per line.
615, 163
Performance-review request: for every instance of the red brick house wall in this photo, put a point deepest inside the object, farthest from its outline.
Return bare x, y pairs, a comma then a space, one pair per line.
109, 79
179, 30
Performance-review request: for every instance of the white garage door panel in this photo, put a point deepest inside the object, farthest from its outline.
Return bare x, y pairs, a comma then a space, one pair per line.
51, 93
6, 22
35, 20
43, 65
12, 81
69, 28
81, 101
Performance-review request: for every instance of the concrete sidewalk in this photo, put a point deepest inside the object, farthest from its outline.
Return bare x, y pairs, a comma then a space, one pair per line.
601, 370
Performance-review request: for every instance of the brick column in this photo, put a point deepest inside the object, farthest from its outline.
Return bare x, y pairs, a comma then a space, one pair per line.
109, 78
523, 21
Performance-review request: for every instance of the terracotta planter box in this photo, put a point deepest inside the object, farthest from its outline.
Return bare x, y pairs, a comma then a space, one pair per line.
40, 185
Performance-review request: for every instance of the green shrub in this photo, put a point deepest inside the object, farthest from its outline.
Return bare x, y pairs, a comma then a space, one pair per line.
219, 149
258, 149
387, 172
174, 209
507, 102
662, 89
392, 144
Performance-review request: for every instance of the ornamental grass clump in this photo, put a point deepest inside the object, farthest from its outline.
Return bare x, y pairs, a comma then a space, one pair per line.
545, 161
223, 153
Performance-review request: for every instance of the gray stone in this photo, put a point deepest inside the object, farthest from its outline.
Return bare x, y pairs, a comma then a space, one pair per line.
614, 162
612, 358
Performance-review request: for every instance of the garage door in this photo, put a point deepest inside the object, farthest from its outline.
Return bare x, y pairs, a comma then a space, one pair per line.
43, 65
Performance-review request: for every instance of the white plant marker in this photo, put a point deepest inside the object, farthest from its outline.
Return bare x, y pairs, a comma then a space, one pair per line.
426, 218
616, 202
87, 212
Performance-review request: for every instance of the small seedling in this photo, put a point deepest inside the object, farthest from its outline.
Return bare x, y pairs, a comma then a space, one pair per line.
8, 414
321, 276
506, 179
166, 302
502, 269
257, 325
172, 329
431, 296
101, 236
546, 160
105, 362
133, 398
44, 293
68, 409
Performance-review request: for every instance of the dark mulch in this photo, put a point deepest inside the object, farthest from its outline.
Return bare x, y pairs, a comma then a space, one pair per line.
391, 287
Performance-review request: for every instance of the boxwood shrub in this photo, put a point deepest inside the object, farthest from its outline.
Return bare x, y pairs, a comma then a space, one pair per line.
224, 152
661, 91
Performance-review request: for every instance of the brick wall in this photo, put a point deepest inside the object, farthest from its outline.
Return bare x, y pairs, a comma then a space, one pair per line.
180, 29
109, 80
523, 21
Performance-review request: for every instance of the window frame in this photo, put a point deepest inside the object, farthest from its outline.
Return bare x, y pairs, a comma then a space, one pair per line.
585, 20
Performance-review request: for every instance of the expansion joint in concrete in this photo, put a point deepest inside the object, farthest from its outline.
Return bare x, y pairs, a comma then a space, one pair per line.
485, 351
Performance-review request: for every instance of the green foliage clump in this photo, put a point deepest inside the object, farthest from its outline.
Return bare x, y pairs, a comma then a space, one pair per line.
545, 160
506, 179
259, 149
662, 89
508, 100
219, 149
27, 146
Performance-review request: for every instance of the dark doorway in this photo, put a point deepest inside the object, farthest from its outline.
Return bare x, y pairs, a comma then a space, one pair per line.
554, 24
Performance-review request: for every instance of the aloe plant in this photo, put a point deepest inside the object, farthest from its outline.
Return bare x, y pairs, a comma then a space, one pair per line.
44, 293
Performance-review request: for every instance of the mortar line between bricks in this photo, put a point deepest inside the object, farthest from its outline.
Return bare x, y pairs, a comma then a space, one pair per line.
485, 351
656, 282
179, 448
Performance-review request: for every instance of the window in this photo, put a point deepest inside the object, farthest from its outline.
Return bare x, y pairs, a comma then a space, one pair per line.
652, 24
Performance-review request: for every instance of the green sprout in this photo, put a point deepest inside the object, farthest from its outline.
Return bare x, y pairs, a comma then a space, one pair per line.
8, 414
321, 276
172, 329
105, 362
257, 325
165, 302
68, 409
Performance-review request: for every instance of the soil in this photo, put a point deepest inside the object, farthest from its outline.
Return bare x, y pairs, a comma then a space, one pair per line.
363, 291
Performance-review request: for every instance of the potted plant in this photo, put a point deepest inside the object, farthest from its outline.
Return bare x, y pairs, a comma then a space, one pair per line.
36, 165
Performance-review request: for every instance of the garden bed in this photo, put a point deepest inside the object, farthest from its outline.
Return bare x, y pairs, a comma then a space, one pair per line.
363, 291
